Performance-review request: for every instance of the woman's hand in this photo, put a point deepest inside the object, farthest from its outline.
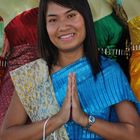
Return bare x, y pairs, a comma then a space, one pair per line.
77, 114
64, 113
71, 108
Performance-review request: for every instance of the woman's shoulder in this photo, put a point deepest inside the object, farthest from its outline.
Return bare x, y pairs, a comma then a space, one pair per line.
108, 63
113, 84
30, 76
111, 70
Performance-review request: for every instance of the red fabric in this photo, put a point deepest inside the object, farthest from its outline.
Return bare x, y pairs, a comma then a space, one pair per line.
1, 19
3, 64
22, 54
23, 28
22, 35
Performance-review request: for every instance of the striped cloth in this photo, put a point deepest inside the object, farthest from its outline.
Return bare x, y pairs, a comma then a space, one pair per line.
97, 95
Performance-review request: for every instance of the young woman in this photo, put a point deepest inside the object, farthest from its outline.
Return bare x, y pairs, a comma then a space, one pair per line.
71, 90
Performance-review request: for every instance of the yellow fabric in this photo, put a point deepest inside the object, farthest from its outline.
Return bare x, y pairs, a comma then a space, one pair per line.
10, 8
134, 26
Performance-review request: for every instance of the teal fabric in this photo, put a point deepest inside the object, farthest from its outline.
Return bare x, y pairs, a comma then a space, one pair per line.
119, 2
97, 96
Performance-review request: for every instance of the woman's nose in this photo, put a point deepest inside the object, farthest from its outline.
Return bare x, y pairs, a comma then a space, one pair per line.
64, 25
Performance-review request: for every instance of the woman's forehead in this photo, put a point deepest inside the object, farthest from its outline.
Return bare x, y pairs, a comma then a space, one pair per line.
54, 8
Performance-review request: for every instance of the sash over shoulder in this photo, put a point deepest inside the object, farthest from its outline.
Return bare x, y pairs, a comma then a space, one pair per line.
34, 88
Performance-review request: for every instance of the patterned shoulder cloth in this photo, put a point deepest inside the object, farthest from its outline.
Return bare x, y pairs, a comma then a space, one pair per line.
34, 88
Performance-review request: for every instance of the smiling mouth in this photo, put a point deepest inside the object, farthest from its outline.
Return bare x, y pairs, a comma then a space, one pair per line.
67, 36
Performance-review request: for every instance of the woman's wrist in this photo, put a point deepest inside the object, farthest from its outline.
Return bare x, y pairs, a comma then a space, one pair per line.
44, 128
59, 119
51, 124
83, 121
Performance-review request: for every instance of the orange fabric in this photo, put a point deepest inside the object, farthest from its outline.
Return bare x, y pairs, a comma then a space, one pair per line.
134, 27
135, 73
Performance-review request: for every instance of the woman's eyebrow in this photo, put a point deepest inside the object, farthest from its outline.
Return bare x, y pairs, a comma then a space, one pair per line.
69, 11
50, 15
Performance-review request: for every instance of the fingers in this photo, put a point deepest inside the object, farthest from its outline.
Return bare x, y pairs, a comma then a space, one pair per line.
67, 101
69, 88
72, 94
74, 87
66, 110
76, 111
71, 84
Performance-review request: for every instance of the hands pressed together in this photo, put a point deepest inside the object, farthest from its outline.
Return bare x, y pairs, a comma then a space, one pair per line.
71, 108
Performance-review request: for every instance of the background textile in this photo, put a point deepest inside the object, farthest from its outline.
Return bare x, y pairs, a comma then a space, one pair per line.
10, 8
22, 50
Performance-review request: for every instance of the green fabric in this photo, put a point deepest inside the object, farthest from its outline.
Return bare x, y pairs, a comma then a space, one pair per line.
108, 32
1, 36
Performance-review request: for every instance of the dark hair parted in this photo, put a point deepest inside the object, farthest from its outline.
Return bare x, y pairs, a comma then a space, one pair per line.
47, 49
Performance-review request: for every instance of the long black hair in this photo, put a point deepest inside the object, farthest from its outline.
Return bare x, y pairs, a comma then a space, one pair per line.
48, 50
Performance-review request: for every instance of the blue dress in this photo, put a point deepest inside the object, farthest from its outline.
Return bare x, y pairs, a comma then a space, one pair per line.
97, 95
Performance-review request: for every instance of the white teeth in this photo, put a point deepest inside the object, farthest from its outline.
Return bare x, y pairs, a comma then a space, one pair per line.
66, 36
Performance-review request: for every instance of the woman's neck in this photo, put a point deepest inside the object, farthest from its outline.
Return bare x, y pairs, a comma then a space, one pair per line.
66, 58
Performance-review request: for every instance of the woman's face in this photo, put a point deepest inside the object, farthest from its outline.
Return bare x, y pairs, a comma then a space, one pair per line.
65, 27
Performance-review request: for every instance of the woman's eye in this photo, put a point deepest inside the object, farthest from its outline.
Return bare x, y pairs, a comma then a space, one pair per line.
71, 15
52, 20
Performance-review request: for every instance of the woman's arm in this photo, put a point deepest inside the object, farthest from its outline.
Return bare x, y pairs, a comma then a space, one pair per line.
15, 127
127, 129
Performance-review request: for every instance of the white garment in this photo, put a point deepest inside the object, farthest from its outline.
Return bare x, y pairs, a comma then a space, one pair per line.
100, 8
